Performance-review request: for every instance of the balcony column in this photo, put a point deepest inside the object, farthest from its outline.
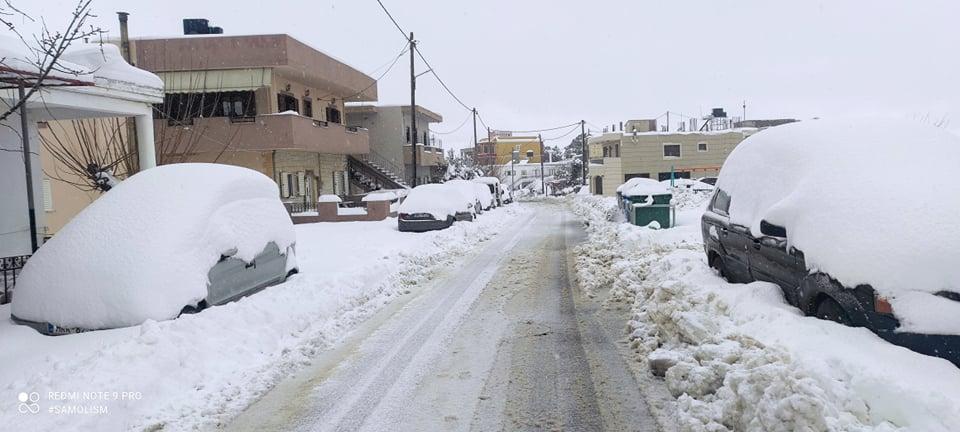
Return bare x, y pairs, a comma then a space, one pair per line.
146, 148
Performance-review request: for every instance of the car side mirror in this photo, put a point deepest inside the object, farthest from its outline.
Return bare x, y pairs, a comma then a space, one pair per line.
228, 254
769, 229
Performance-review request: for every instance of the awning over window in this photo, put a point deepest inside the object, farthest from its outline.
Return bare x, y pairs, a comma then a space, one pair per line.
216, 80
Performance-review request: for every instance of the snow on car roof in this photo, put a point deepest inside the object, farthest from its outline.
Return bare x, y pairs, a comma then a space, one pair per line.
487, 180
890, 232
439, 200
143, 250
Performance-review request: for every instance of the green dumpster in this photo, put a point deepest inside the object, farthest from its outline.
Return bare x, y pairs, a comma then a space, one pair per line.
642, 210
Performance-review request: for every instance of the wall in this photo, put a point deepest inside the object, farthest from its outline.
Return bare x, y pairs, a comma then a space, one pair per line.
14, 220
643, 154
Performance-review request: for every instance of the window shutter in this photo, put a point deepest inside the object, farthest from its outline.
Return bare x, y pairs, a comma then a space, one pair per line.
47, 196
284, 186
300, 184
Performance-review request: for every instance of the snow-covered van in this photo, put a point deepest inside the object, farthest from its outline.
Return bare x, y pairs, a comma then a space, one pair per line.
881, 254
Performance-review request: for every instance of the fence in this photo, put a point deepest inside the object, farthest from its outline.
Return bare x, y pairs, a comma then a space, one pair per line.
9, 270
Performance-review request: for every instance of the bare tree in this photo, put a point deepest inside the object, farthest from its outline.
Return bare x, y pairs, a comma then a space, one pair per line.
91, 154
43, 50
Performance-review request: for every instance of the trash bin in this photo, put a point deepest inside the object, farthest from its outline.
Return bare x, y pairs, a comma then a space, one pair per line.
641, 210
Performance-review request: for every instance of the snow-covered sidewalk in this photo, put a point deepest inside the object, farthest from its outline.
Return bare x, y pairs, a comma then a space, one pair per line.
738, 357
197, 371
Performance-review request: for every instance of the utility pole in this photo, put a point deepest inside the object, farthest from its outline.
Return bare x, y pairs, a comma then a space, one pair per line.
27, 154
744, 110
542, 182
413, 106
583, 143
476, 151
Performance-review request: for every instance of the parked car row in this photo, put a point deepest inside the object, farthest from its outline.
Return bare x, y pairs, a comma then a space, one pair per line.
880, 254
437, 206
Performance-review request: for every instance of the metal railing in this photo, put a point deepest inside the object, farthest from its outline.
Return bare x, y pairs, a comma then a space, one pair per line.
383, 163
9, 270
300, 207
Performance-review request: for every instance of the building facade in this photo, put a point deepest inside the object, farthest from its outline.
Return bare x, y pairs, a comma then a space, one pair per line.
391, 139
266, 102
659, 155
499, 147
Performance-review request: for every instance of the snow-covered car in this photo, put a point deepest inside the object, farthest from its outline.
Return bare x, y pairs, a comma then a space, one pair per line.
433, 207
493, 184
881, 254
168, 240
480, 192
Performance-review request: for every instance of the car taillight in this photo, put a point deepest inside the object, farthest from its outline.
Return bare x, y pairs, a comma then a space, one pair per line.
882, 305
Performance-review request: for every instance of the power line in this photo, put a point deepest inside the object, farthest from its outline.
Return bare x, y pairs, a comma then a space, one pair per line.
465, 120
570, 132
394, 20
547, 129
440, 80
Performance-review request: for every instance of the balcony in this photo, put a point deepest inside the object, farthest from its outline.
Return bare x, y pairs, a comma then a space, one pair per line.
426, 155
265, 133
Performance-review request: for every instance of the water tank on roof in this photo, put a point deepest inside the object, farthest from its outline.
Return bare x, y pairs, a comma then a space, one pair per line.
719, 113
196, 26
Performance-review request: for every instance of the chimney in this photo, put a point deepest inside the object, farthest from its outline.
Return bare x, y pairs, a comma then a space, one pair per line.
124, 36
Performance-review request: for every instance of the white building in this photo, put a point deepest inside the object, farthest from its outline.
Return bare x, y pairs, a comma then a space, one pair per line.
104, 85
524, 173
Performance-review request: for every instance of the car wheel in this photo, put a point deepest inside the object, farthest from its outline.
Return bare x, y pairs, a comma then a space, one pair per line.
828, 309
717, 263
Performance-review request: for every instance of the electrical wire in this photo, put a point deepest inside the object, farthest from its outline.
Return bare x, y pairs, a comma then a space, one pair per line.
458, 127
440, 80
570, 132
405, 36
547, 129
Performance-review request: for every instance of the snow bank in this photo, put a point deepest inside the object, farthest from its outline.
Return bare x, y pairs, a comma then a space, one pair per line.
638, 186
738, 357
142, 251
439, 200
886, 232
199, 371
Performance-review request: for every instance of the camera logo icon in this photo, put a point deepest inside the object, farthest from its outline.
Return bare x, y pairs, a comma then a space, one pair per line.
28, 402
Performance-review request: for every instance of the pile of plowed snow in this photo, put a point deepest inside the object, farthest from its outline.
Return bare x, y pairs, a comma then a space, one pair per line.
737, 357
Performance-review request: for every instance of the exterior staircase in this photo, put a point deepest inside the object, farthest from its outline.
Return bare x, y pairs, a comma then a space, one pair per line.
370, 174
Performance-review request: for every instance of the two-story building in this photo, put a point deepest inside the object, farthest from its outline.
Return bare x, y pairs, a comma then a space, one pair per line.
391, 139
634, 152
266, 102
499, 147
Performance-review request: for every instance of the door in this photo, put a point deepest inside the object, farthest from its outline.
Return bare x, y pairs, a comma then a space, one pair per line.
771, 260
737, 241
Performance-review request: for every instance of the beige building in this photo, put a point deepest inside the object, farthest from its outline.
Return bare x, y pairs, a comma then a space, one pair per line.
265, 102
390, 140
625, 155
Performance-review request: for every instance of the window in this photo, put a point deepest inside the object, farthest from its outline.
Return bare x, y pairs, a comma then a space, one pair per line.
671, 151
307, 107
721, 202
676, 175
47, 196
529, 154
701, 147
333, 115
425, 140
287, 102
408, 134
185, 106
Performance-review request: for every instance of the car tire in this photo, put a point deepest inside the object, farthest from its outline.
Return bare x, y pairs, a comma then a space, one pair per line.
717, 263
828, 309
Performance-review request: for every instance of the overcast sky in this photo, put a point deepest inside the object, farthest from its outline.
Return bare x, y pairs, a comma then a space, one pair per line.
542, 63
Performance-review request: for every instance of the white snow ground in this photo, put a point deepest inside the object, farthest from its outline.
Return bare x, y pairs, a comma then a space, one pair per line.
742, 358
197, 371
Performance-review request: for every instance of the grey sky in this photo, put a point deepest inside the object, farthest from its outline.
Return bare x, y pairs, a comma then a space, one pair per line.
536, 64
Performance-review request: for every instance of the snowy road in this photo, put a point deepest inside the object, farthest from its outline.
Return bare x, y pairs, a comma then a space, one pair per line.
502, 342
